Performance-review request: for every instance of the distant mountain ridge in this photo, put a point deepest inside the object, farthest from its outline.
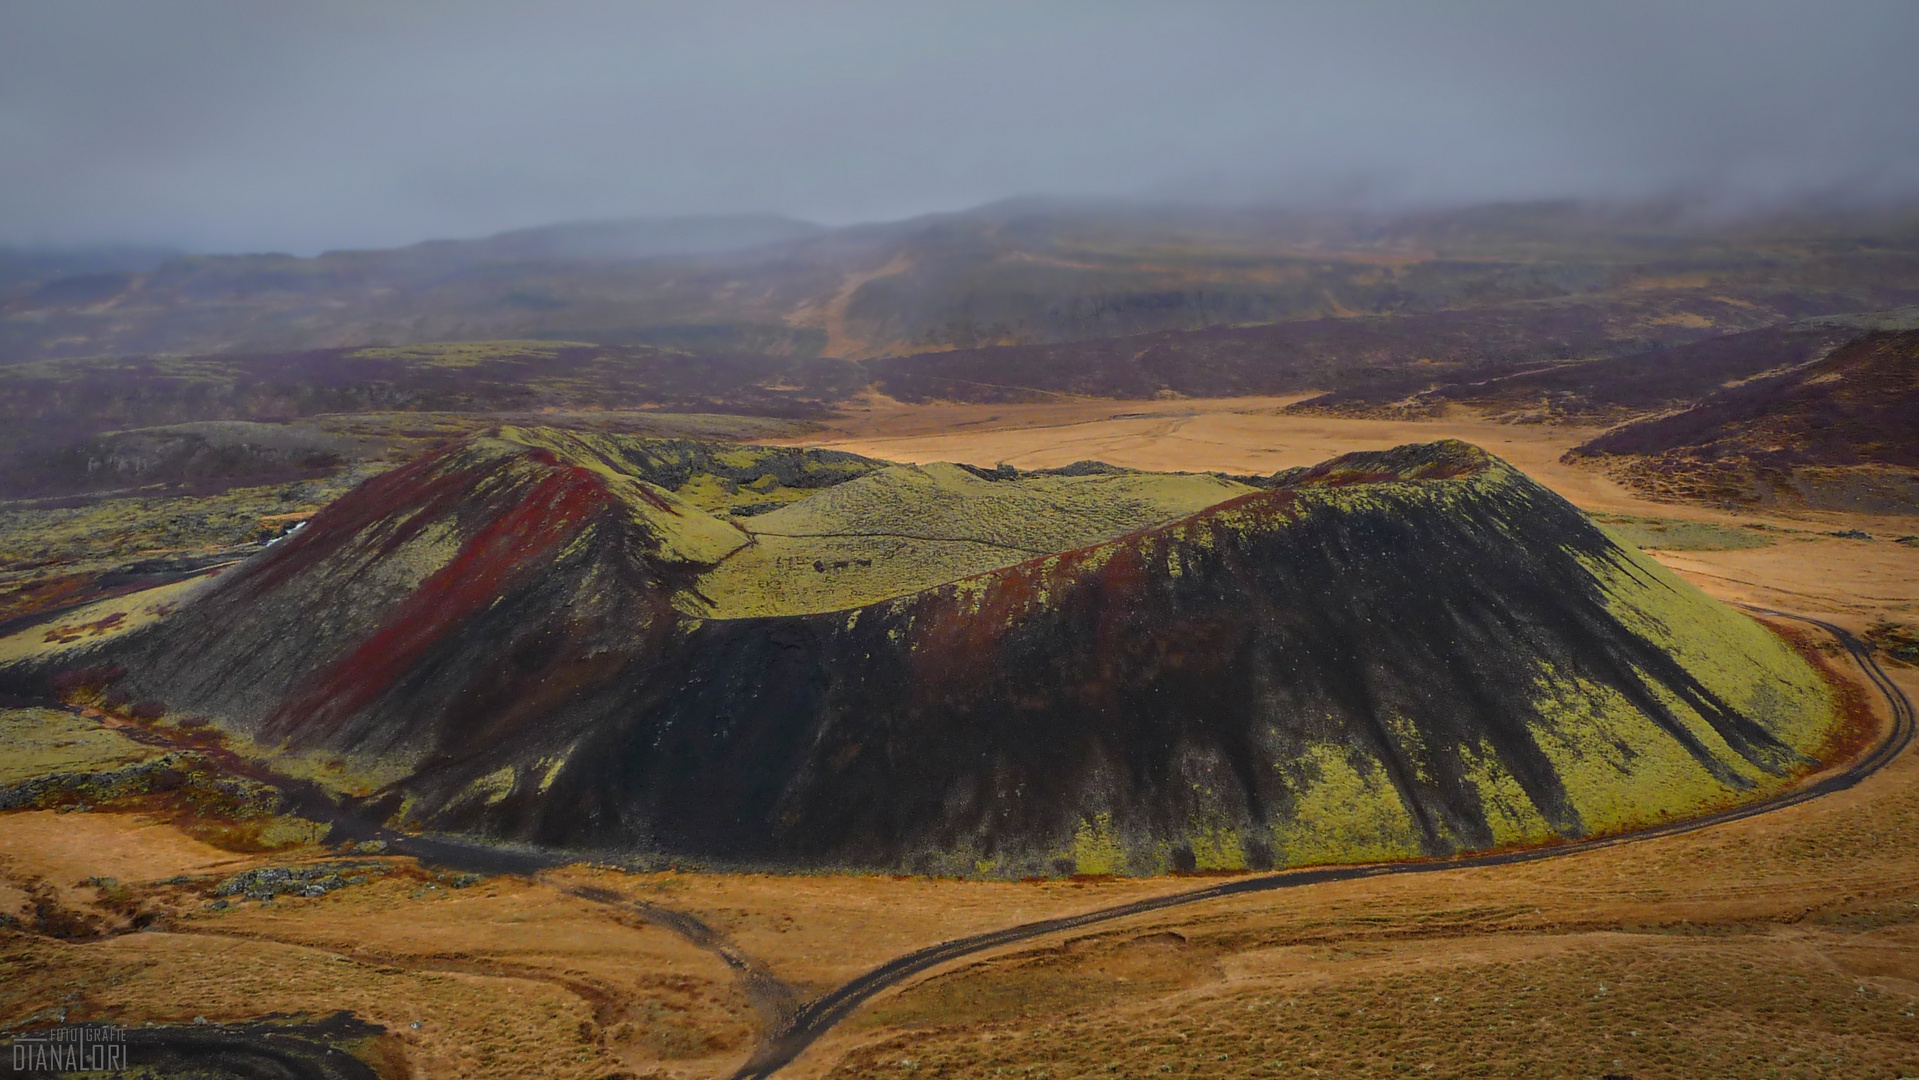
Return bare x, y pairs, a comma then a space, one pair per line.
617, 239
1022, 273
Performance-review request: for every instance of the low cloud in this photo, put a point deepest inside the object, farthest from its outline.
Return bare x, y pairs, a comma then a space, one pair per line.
222, 126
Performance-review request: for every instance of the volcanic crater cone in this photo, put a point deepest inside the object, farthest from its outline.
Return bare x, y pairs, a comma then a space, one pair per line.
758, 656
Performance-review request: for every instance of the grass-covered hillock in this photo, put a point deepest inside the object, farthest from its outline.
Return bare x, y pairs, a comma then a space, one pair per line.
55, 742
545, 637
718, 478
1668, 534
911, 527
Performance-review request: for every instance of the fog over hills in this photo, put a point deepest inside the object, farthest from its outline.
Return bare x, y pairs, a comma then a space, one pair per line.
619, 240
308, 129
981, 175
1022, 272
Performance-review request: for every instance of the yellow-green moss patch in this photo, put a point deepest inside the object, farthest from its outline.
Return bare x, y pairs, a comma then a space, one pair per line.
1737, 658
1343, 813
1097, 848
908, 528
50, 742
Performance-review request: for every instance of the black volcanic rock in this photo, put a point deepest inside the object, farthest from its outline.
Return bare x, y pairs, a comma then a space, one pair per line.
1411, 652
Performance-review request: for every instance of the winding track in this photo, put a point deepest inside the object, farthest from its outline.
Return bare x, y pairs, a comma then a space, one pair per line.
774, 1000
818, 1016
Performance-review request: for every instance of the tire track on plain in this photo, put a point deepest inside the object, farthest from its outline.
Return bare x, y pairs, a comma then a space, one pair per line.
772, 998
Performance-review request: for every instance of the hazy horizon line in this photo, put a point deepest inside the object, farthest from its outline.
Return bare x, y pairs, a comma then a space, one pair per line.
1681, 209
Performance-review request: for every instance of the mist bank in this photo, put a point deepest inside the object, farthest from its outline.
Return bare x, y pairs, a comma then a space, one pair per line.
1021, 272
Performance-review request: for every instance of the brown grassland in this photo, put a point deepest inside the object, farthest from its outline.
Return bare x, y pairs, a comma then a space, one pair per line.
1785, 945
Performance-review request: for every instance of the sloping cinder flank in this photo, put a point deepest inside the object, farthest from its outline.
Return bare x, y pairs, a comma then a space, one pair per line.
1415, 651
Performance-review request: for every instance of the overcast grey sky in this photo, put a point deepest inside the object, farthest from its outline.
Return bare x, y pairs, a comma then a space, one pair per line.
301, 126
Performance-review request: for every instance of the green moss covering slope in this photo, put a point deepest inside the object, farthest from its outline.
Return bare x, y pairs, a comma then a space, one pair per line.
911, 527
